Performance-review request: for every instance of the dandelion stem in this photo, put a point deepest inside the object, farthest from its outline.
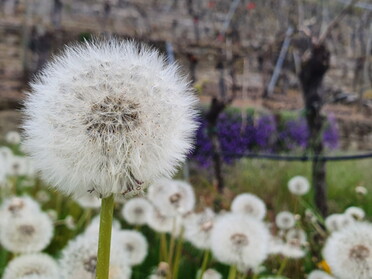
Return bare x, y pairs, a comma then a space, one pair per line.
178, 255
171, 248
163, 247
282, 266
104, 242
232, 272
205, 263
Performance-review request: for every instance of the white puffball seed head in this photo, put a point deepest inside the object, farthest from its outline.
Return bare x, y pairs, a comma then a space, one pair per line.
108, 117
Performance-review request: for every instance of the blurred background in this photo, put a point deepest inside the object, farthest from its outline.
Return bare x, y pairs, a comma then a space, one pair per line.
247, 61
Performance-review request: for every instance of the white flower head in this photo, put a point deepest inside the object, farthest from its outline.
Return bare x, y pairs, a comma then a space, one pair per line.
161, 271
17, 166
285, 220
240, 240
108, 117
79, 259
211, 274
299, 185
172, 197
88, 201
335, 222
13, 137
292, 251
361, 190
136, 210
355, 212
5, 153
198, 228
296, 237
16, 207
275, 245
32, 266
249, 204
348, 251
319, 274
164, 224
27, 234
134, 245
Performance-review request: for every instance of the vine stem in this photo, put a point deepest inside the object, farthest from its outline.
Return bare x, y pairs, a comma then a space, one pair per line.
104, 241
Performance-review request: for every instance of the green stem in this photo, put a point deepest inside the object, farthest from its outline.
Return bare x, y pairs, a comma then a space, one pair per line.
171, 249
104, 242
178, 255
205, 263
163, 247
282, 266
84, 219
232, 272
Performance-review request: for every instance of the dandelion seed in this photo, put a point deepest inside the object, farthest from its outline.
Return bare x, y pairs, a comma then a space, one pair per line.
299, 185
285, 220
348, 252
135, 211
240, 240
249, 204
108, 118
26, 266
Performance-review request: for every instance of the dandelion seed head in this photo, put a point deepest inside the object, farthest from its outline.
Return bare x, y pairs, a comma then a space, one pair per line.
198, 228
299, 185
348, 251
335, 222
172, 197
319, 274
108, 117
27, 234
136, 210
79, 259
249, 204
291, 251
240, 240
134, 245
285, 220
37, 266
164, 224
211, 274
296, 237
355, 212
13, 137
361, 190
